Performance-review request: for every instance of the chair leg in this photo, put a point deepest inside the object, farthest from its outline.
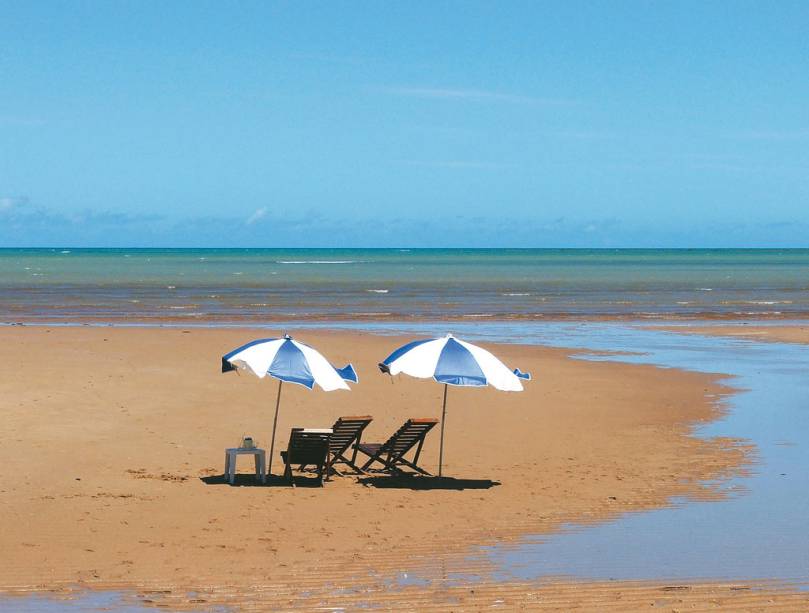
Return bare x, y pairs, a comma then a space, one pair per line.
375, 458
413, 466
356, 468
352, 463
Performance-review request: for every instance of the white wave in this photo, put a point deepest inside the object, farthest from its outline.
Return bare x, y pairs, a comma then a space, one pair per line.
516, 294
704, 289
370, 314
770, 313
377, 291
315, 261
768, 302
65, 251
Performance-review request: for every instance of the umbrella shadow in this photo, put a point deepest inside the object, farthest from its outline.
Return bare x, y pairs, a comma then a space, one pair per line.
412, 482
250, 481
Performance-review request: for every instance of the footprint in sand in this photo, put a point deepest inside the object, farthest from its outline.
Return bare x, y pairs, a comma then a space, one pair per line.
140, 473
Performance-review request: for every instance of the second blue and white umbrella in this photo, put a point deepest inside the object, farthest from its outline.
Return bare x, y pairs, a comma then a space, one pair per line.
288, 360
451, 361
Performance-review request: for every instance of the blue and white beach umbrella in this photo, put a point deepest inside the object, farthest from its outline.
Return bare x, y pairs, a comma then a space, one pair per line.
288, 360
451, 361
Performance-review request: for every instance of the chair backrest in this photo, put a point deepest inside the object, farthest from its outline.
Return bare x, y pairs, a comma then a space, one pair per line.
346, 431
405, 438
308, 446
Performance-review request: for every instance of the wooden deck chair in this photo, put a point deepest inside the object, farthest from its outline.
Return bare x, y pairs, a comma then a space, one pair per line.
307, 446
346, 432
391, 453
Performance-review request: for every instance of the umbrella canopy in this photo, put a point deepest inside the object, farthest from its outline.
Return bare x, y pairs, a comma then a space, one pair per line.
451, 361
454, 362
288, 360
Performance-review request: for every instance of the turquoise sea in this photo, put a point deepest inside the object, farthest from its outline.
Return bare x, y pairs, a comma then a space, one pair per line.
259, 285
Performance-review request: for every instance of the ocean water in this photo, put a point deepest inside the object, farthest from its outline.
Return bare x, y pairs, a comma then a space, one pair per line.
258, 285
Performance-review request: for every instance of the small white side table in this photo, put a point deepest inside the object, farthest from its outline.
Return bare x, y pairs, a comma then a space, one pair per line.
230, 462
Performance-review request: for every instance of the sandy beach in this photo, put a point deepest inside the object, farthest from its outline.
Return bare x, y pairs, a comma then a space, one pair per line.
779, 333
610, 198
113, 456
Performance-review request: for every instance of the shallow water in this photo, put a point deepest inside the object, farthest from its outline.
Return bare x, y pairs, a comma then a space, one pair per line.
50, 285
758, 532
83, 601
92, 600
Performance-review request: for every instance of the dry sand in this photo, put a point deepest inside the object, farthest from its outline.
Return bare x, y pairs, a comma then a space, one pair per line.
112, 444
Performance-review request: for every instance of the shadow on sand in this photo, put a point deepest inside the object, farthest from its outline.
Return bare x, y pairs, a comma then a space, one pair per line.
250, 481
411, 482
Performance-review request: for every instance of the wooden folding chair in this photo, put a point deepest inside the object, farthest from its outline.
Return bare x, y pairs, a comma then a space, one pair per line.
307, 446
346, 432
391, 453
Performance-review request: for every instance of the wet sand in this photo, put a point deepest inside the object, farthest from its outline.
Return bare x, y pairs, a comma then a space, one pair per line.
113, 453
783, 334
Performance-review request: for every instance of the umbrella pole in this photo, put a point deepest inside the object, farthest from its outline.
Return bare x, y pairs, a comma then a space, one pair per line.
443, 419
274, 423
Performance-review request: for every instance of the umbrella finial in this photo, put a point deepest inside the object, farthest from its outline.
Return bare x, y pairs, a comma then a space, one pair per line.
287, 337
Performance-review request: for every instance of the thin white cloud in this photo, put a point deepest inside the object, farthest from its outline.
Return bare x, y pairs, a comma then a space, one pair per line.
587, 135
20, 210
473, 95
774, 135
256, 216
329, 58
17, 120
457, 164
12, 203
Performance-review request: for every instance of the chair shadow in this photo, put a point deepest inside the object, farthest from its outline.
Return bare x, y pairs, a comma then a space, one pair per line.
418, 482
247, 480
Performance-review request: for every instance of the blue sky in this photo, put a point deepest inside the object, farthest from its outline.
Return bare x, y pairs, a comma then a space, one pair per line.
404, 124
